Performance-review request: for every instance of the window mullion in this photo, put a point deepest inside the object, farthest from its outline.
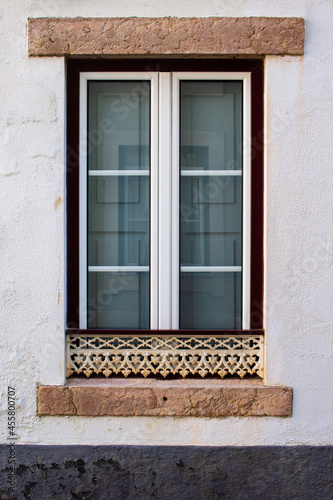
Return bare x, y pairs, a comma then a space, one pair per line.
165, 197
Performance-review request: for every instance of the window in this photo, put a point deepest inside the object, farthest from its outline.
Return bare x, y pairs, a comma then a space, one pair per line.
165, 195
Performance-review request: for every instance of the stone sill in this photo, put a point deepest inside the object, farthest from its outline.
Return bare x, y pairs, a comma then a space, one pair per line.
157, 398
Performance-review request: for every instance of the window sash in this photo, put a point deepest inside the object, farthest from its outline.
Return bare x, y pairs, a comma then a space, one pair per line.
245, 77
164, 190
83, 185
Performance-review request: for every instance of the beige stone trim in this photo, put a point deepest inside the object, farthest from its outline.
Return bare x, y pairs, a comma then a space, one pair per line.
166, 36
157, 398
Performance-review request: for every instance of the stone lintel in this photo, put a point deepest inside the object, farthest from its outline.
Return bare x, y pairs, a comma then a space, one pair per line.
166, 36
160, 398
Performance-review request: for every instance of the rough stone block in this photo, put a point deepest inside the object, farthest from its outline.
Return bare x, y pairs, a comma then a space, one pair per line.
206, 36
164, 399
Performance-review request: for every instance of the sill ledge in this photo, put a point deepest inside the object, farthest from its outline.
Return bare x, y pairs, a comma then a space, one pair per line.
158, 398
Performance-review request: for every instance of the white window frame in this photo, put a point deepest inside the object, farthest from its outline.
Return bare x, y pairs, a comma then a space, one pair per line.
164, 195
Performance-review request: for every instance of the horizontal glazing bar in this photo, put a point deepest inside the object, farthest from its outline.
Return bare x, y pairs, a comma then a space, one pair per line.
114, 269
210, 269
190, 173
94, 173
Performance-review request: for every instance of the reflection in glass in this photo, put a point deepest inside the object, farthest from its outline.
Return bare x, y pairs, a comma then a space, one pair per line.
211, 204
118, 300
211, 221
118, 221
210, 300
118, 204
119, 125
211, 125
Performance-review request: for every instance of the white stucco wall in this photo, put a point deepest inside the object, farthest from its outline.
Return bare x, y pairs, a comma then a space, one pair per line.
298, 224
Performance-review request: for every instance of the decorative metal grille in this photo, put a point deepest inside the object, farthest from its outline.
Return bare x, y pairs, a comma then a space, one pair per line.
165, 355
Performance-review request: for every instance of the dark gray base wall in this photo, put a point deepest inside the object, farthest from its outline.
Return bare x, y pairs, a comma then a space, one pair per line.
168, 472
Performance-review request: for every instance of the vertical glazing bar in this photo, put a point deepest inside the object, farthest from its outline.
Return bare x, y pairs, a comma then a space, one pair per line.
165, 195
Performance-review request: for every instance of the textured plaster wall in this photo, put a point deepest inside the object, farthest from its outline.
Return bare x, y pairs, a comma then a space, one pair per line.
298, 248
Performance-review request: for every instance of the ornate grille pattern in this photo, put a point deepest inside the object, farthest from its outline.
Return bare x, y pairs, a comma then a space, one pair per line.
165, 355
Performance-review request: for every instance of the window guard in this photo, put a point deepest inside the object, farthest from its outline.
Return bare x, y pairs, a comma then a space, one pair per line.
165, 353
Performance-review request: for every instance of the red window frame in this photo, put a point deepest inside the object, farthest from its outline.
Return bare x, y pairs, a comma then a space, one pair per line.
74, 67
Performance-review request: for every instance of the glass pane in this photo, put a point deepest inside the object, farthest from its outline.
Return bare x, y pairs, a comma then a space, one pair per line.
210, 204
210, 300
119, 125
211, 125
118, 221
211, 221
118, 300
119, 203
